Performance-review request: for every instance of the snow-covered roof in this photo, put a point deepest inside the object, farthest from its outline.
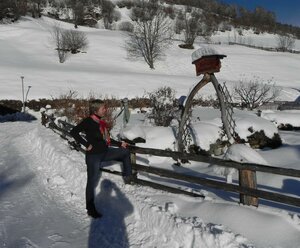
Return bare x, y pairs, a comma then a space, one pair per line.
205, 51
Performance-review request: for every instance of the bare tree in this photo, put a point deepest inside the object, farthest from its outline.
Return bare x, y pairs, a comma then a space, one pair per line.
75, 40
152, 34
194, 23
107, 11
35, 7
77, 7
254, 93
285, 42
13, 9
4, 6
67, 41
179, 22
58, 39
191, 28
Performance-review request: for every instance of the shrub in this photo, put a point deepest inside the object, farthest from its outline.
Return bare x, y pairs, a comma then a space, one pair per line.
259, 140
116, 15
75, 40
255, 93
126, 26
67, 41
125, 3
163, 103
186, 46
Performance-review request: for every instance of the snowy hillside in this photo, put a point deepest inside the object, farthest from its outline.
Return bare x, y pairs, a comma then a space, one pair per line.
26, 50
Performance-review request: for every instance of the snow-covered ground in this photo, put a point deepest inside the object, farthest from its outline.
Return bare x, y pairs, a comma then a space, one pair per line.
26, 50
42, 198
42, 181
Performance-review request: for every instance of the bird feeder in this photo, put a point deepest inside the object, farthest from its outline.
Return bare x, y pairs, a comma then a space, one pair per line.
207, 60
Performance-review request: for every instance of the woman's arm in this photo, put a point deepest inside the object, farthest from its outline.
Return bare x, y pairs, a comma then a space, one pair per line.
75, 132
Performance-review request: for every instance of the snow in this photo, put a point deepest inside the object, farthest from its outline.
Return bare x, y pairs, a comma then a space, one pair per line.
42, 181
99, 70
244, 154
205, 51
248, 124
291, 117
53, 179
206, 133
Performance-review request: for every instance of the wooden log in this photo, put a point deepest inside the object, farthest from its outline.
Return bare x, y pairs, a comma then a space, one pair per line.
247, 179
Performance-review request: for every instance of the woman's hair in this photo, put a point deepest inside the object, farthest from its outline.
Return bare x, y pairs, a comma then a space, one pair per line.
94, 105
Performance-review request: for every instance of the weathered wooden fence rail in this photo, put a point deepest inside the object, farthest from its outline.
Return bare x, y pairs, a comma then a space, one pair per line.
248, 191
220, 185
216, 161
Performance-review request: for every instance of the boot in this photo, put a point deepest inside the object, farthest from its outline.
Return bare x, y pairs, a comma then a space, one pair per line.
92, 211
129, 179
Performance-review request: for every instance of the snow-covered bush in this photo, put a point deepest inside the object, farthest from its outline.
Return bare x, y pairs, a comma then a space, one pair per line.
164, 104
250, 129
256, 131
285, 120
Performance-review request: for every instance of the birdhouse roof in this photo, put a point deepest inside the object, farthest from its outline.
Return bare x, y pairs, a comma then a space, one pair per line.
206, 52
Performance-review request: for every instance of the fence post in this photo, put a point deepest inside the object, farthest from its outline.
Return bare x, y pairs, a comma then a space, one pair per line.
44, 118
133, 161
247, 179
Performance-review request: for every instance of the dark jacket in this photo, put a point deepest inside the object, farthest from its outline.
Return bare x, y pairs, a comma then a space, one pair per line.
93, 136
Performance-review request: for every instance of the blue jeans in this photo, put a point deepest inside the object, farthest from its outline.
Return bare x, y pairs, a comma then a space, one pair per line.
94, 163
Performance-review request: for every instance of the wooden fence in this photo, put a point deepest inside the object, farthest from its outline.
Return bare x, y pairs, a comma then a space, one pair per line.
247, 188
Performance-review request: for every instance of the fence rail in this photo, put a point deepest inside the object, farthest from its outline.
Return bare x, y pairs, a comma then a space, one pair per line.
217, 161
249, 194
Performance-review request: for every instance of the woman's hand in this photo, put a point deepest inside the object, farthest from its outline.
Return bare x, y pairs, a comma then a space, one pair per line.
90, 147
124, 144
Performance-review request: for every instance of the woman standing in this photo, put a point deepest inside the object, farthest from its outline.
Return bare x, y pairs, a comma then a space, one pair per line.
98, 149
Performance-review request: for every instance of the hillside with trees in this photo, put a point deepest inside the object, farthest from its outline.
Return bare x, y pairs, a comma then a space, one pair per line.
215, 14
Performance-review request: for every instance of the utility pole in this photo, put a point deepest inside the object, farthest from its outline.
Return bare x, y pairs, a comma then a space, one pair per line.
23, 106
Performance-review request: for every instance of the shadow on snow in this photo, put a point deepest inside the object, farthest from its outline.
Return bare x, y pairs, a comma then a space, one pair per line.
110, 229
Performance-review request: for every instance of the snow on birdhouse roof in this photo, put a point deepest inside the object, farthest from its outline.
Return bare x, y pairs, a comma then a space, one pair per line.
206, 52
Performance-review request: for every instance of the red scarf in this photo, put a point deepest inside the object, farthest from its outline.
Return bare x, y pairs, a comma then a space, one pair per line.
102, 127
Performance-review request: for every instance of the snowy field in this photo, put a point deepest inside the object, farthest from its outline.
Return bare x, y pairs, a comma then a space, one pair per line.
26, 50
42, 181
